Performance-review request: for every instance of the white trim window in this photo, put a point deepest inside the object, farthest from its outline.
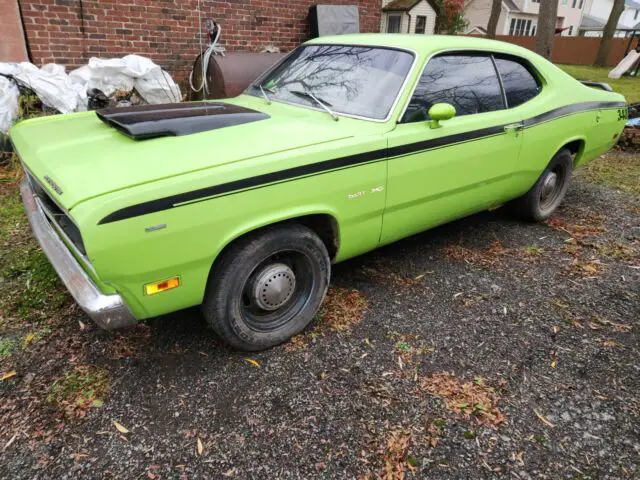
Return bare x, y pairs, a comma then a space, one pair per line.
520, 27
394, 20
421, 24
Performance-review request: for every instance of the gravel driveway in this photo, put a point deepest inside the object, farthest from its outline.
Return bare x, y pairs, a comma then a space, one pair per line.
485, 348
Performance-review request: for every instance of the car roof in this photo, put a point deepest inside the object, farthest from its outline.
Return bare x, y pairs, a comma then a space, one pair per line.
424, 44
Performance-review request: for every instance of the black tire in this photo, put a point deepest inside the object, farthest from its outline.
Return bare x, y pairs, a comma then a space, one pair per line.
542, 199
267, 286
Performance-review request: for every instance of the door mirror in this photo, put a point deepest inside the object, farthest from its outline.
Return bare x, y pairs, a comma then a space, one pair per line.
439, 112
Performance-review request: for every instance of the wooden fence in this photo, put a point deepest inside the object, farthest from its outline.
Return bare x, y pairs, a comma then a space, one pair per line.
575, 50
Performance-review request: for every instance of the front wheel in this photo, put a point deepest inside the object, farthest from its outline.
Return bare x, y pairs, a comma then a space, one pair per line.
548, 192
267, 286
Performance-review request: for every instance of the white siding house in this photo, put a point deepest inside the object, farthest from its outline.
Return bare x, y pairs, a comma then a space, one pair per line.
596, 13
520, 17
408, 16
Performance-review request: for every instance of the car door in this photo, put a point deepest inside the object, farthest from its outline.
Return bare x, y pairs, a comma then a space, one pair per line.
464, 166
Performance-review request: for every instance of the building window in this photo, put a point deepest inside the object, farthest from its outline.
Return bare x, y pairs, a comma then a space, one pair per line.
421, 24
533, 31
573, 5
581, 3
520, 27
570, 30
635, 17
393, 23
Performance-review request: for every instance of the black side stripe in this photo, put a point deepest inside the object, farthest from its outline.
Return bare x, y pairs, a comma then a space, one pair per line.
177, 200
570, 109
242, 184
444, 141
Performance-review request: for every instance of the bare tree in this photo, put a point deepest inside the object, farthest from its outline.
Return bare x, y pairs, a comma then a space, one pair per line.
496, 7
546, 27
607, 33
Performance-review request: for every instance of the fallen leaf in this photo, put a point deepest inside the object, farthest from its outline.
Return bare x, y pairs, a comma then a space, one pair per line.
200, 447
28, 339
120, 427
229, 473
82, 325
252, 362
542, 419
12, 373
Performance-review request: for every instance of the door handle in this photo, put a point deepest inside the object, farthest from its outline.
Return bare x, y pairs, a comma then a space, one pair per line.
514, 127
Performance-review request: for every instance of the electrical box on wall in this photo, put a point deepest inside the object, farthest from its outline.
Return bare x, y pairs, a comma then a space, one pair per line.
333, 20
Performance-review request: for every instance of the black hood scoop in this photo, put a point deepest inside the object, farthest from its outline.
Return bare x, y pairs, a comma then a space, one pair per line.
174, 119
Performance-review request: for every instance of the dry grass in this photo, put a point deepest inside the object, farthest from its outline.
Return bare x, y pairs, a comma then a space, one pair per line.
468, 399
10, 173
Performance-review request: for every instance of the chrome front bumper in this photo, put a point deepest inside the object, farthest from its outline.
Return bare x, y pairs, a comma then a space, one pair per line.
108, 311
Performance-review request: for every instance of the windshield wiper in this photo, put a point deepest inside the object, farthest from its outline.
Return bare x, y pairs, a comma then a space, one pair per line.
324, 105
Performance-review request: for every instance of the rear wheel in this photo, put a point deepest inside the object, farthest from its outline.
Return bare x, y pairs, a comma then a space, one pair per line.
267, 286
548, 192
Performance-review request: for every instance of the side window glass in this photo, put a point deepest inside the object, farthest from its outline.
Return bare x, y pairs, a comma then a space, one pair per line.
468, 82
519, 84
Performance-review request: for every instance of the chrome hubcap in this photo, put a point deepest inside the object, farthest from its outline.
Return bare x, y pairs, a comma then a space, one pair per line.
274, 285
549, 186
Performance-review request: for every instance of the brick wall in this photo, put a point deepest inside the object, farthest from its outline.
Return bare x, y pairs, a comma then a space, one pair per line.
69, 32
12, 45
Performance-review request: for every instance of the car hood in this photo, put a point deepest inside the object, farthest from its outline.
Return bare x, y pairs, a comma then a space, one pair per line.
78, 156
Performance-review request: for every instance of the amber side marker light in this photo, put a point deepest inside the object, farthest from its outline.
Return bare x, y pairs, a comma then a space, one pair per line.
162, 286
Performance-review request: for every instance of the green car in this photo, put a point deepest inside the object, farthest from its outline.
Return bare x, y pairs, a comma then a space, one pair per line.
347, 144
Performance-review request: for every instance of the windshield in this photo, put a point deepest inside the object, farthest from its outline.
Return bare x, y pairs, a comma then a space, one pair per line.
353, 80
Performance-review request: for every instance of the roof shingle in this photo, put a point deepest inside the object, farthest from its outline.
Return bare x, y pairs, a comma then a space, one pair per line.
400, 5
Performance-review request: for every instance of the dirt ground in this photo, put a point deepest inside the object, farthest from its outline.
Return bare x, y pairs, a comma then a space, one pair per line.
484, 348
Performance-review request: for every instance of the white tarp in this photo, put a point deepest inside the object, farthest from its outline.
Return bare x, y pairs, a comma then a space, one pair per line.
9, 94
133, 71
52, 85
68, 92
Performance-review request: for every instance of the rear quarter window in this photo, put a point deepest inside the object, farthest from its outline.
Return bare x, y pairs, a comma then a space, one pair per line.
520, 85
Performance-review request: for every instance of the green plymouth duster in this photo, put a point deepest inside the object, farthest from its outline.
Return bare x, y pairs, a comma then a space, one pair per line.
347, 144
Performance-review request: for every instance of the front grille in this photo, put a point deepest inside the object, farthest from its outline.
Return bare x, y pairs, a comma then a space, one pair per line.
57, 214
